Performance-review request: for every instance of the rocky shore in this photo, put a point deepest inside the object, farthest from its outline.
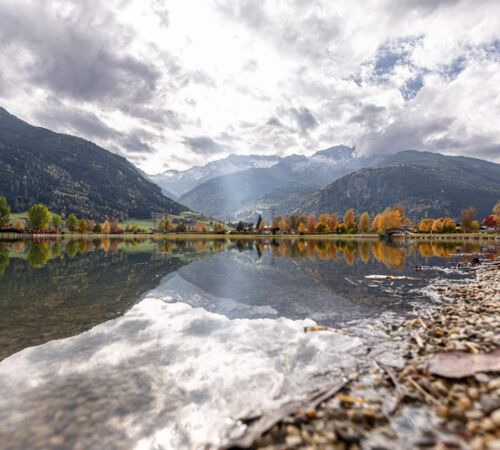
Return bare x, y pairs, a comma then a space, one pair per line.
443, 394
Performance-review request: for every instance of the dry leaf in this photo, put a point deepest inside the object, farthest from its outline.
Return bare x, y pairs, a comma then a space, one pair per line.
462, 364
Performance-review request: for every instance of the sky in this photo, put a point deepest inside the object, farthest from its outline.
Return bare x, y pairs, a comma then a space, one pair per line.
174, 83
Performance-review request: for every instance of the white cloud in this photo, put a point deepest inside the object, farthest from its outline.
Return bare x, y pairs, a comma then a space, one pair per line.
149, 80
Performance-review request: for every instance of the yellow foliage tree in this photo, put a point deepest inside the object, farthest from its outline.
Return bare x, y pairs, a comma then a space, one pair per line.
437, 226
332, 223
262, 225
425, 225
377, 223
364, 223
311, 224
449, 225
106, 227
349, 219
283, 225
302, 228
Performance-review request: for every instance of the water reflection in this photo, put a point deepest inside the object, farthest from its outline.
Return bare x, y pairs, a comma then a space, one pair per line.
194, 321
38, 252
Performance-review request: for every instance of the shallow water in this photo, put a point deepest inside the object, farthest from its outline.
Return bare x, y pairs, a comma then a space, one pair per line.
164, 344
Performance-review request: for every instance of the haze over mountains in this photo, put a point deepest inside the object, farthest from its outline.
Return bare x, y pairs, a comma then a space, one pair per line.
275, 189
69, 174
335, 179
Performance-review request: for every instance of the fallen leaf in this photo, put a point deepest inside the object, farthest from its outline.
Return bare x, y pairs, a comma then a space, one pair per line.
316, 328
462, 364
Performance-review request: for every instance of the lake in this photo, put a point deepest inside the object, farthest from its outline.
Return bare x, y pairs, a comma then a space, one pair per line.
143, 343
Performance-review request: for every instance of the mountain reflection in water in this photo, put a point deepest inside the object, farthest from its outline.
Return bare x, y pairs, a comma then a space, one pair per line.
165, 333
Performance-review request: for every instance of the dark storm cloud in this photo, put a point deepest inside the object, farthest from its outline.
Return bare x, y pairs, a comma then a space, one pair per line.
80, 55
202, 145
405, 135
82, 123
305, 118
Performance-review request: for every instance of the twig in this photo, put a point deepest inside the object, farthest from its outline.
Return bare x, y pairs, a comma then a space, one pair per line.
257, 426
423, 391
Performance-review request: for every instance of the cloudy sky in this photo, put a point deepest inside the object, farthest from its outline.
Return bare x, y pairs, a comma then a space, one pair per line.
174, 83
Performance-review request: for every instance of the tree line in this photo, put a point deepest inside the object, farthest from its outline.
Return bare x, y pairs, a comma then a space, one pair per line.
41, 219
391, 217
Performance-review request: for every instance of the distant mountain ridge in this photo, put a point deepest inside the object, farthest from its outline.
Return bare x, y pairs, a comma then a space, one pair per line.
425, 183
275, 189
70, 174
178, 182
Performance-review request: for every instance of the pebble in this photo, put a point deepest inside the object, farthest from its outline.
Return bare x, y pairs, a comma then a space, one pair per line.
495, 417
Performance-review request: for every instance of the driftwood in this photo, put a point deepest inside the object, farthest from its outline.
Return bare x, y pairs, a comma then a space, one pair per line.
257, 426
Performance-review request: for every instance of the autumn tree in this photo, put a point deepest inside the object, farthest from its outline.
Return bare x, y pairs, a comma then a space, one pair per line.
425, 225
275, 222
200, 227
19, 225
496, 214
261, 226
56, 221
4, 212
467, 217
72, 223
218, 227
364, 223
321, 227
323, 218
341, 228
350, 221
392, 218
39, 217
302, 228
106, 227
311, 224
332, 223
180, 228
83, 226
115, 227
283, 225
377, 223
437, 226
449, 225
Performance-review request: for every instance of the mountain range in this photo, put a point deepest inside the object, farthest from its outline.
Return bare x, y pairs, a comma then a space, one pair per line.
69, 174
273, 190
426, 184
338, 178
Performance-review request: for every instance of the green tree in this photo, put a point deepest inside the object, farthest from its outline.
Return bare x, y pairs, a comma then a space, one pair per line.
38, 254
97, 228
72, 223
259, 220
4, 212
56, 221
39, 217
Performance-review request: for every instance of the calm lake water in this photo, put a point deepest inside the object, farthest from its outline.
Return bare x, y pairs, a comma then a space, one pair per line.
164, 344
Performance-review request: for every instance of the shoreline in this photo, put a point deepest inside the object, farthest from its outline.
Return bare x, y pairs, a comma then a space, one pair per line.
433, 397
254, 236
